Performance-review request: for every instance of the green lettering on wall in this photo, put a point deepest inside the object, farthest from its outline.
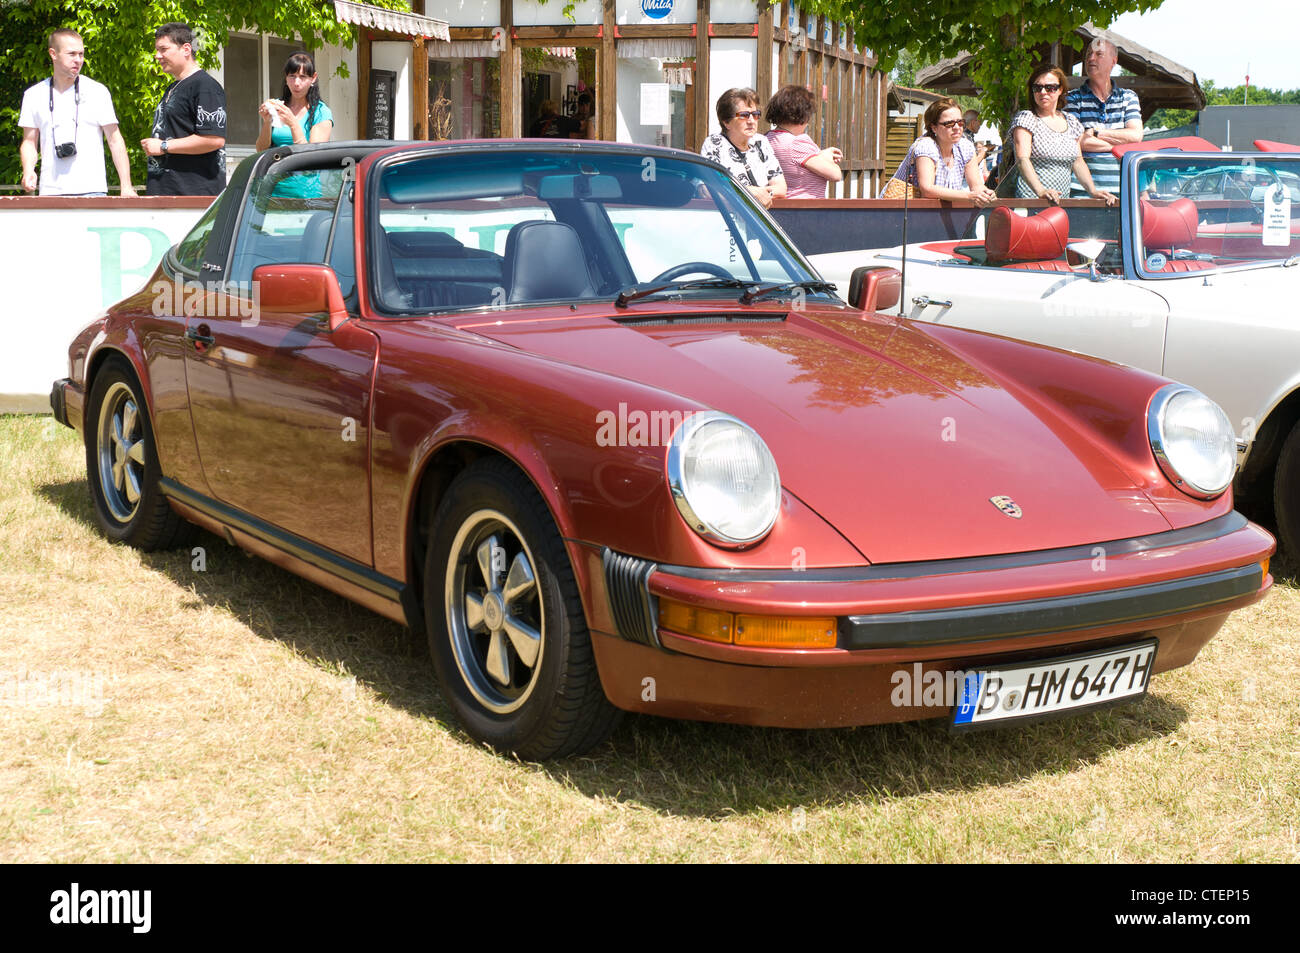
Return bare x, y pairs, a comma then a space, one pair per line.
487, 235
112, 273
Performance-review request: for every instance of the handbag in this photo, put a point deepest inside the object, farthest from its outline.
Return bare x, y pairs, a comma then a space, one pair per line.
898, 189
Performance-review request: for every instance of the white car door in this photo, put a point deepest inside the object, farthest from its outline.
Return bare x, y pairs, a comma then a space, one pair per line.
1111, 318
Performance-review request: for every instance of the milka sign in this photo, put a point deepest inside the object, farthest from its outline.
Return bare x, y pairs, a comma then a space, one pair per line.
656, 9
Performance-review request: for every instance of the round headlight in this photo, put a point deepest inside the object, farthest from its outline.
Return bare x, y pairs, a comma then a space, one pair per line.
1193, 440
723, 479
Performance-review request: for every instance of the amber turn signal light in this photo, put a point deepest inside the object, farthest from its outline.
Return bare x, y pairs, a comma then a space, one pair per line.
755, 631
786, 632
694, 621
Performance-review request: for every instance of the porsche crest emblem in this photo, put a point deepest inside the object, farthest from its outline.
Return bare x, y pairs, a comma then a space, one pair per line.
1007, 505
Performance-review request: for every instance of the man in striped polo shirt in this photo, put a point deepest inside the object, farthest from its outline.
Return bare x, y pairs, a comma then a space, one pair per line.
1110, 115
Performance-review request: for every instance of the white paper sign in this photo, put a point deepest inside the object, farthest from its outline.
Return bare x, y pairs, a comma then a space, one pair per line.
655, 105
1277, 216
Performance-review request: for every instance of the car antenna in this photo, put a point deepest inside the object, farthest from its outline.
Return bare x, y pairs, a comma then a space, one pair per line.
902, 276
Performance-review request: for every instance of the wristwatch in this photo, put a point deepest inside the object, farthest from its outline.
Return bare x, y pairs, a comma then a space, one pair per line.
163, 146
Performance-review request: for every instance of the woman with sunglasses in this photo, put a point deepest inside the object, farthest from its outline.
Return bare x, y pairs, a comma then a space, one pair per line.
943, 163
741, 150
1046, 140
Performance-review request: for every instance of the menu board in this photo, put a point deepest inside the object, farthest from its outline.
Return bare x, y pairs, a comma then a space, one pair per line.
379, 102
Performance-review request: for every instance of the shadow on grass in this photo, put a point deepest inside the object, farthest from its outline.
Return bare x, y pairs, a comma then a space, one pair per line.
332, 631
689, 768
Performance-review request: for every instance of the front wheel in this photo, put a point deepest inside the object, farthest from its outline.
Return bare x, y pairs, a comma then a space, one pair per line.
122, 464
506, 628
1286, 495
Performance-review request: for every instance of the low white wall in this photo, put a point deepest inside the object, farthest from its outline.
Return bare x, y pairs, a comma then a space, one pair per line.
60, 267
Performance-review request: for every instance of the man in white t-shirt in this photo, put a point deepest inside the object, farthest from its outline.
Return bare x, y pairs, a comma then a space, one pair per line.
67, 117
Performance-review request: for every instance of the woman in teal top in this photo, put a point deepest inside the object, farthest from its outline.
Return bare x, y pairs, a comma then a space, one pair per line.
303, 117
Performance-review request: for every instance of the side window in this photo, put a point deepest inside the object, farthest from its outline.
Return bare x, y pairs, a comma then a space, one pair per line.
286, 220
342, 257
189, 252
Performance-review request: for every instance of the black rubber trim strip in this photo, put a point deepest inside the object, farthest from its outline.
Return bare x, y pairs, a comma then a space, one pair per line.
1220, 526
1038, 616
630, 603
346, 569
59, 403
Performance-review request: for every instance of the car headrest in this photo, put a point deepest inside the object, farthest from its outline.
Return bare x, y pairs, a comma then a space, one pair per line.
1012, 237
544, 260
315, 236
1168, 226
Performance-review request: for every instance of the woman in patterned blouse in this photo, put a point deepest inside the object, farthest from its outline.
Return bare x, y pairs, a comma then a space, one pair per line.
1046, 140
741, 150
943, 163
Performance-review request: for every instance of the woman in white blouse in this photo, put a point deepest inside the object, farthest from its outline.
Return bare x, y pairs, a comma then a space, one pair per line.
741, 150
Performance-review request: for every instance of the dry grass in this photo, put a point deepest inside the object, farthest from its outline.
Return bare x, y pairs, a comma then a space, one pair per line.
245, 715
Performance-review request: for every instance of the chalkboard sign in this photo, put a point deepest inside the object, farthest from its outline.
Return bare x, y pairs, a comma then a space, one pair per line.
379, 117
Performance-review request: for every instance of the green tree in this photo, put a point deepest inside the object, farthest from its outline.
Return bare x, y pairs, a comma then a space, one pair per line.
1001, 35
119, 50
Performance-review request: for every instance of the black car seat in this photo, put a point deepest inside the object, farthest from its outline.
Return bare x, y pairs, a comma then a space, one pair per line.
544, 261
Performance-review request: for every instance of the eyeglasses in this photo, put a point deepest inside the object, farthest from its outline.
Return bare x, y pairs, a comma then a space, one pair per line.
1045, 87
952, 122
748, 114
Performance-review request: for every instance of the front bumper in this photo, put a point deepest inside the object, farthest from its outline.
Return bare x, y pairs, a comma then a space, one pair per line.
68, 403
1177, 587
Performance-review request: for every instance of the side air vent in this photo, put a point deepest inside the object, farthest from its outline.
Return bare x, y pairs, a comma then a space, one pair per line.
688, 319
630, 602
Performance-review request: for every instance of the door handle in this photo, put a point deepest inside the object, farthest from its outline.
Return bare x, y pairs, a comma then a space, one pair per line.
924, 301
200, 339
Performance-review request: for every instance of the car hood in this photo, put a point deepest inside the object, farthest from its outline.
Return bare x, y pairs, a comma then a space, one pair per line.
894, 438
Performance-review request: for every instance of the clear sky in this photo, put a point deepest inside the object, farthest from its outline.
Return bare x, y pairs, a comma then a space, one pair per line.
1216, 39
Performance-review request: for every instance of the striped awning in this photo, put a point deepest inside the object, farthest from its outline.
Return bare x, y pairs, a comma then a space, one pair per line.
390, 21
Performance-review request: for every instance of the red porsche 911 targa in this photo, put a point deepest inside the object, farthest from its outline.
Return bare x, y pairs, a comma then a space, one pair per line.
582, 414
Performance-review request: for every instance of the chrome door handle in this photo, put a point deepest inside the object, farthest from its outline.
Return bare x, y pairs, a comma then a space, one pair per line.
924, 301
199, 339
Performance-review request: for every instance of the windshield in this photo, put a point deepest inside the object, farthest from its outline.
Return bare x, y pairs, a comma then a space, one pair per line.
515, 227
1198, 213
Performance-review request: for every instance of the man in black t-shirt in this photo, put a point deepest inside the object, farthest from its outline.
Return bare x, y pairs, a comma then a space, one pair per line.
187, 149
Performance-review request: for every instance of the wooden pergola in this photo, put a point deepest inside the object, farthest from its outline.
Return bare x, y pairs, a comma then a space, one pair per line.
1159, 82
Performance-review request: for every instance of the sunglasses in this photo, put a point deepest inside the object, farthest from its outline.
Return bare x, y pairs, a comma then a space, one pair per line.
952, 122
747, 114
1045, 87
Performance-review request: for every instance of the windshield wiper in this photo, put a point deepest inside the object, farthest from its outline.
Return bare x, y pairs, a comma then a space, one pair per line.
1292, 261
753, 294
628, 295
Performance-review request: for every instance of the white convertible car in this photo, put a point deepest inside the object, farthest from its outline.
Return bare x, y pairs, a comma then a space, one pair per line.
1203, 288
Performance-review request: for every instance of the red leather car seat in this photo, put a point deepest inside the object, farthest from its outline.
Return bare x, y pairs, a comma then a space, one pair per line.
1166, 228
1034, 242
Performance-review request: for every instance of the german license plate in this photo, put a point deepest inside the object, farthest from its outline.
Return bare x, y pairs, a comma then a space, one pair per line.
1047, 686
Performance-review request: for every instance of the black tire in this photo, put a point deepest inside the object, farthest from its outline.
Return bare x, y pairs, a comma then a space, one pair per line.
122, 465
506, 628
1286, 495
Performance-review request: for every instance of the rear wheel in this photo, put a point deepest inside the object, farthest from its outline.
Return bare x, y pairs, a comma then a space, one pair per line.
506, 628
122, 464
1286, 494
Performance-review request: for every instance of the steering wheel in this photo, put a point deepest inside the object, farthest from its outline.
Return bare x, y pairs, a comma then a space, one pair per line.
691, 268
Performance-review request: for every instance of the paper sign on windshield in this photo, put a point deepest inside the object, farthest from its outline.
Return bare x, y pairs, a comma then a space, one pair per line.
1277, 216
